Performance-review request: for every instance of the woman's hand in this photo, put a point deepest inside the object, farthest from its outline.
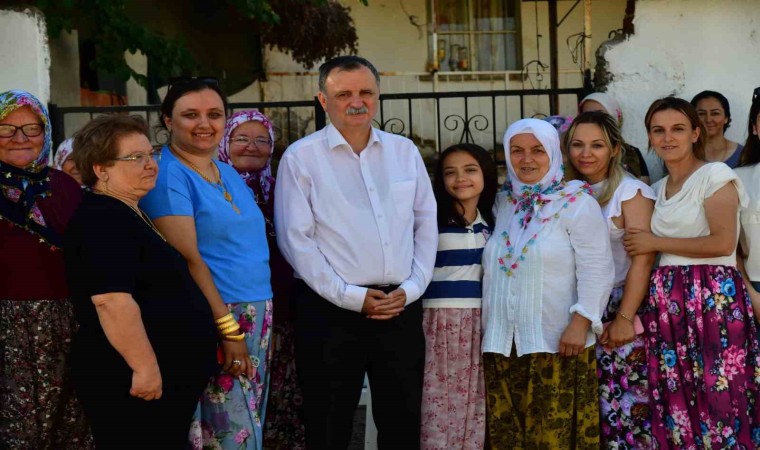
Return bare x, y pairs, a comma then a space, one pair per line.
573, 339
237, 352
617, 333
638, 242
146, 383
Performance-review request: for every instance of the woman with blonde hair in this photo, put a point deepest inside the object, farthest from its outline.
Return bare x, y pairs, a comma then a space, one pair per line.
594, 147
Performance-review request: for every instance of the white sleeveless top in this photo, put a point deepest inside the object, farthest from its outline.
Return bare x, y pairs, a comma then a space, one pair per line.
683, 215
626, 190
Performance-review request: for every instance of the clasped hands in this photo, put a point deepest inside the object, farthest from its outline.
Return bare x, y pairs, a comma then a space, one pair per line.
381, 306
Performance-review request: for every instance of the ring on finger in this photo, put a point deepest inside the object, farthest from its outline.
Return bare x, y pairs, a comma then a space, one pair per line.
236, 362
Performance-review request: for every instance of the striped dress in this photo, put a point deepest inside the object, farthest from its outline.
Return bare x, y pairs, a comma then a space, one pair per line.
453, 402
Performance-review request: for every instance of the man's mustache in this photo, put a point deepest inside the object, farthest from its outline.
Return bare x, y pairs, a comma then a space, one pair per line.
356, 111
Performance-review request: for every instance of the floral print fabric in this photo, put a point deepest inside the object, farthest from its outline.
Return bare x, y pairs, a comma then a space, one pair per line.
542, 401
623, 395
231, 411
453, 391
38, 409
703, 358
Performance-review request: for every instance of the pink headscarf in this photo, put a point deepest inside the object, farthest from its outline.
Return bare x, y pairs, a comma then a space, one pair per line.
262, 177
63, 153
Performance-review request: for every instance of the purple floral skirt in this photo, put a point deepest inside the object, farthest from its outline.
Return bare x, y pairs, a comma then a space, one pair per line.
703, 359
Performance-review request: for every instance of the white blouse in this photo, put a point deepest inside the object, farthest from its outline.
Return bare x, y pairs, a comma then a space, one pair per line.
683, 214
750, 220
568, 269
626, 190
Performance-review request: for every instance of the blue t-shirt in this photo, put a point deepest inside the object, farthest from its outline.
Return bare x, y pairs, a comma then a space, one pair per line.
233, 246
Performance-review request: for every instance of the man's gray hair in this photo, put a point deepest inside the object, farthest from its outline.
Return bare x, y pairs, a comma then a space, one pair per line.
346, 62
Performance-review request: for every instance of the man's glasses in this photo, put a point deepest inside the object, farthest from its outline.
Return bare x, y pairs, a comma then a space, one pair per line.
178, 81
260, 143
142, 158
29, 130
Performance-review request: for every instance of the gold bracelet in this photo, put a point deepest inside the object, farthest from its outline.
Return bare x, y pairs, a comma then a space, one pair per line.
223, 319
230, 329
234, 337
625, 317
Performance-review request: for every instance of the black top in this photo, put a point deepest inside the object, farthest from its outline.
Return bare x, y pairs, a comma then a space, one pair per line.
109, 248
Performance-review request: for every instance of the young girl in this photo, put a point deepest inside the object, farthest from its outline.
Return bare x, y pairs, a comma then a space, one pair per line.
595, 151
453, 402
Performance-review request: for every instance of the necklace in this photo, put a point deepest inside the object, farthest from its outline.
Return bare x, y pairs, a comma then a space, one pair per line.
137, 211
218, 184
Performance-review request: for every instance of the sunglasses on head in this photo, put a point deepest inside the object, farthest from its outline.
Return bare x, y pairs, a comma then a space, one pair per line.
178, 81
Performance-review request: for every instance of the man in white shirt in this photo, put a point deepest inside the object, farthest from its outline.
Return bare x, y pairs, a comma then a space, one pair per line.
356, 218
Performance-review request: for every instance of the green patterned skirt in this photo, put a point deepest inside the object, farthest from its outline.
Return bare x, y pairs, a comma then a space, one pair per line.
542, 401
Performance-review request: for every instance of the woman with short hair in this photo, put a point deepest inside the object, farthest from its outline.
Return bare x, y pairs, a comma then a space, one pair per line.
146, 344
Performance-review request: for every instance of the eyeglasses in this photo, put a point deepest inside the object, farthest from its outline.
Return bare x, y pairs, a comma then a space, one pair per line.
178, 81
29, 130
142, 158
260, 142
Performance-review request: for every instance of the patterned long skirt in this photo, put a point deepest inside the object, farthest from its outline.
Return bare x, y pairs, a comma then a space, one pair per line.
38, 408
453, 391
542, 401
623, 394
284, 427
704, 359
230, 414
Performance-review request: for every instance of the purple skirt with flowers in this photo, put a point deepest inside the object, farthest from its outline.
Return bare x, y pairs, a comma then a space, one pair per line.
703, 359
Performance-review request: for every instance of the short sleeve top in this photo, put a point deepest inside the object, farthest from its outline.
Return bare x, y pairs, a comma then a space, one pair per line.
231, 242
683, 215
626, 190
750, 220
108, 248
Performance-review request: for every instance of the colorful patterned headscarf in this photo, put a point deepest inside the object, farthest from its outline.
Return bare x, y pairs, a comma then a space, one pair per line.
261, 181
22, 187
63, 153
534, 205
611, 106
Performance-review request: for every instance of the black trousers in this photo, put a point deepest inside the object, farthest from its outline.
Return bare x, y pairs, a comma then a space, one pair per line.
334, 349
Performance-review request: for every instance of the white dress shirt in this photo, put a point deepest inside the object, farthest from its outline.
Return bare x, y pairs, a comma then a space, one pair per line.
569, 269
750, 220
347, 220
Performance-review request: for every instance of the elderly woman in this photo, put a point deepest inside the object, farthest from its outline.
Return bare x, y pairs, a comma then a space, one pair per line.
548, 273
715, 114
209, 214
37, 408
633, 160
146, 343
63, 160
247, 146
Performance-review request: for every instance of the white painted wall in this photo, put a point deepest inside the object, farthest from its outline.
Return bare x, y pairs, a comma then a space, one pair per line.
24, 52
682, 47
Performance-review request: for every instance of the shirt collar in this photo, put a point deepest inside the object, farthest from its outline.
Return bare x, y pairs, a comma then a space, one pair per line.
335, 139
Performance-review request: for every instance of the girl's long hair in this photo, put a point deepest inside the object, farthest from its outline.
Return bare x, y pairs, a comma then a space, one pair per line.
614, 140
750, 154
448, 212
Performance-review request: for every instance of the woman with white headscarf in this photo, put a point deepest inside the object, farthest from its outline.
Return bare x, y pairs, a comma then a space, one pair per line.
548, 275
64, 160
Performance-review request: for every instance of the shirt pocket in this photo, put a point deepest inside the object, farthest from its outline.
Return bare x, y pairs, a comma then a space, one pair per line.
402, 196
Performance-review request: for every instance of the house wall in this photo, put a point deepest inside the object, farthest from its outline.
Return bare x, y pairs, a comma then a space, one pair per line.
25, 53
682, 47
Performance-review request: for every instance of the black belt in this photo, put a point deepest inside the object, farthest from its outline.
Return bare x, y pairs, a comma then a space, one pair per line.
387, 288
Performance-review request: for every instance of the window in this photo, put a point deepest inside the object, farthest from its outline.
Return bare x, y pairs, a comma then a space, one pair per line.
481, 35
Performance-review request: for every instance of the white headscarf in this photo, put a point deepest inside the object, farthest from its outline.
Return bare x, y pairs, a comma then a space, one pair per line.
611, 106
534, 205
63, 153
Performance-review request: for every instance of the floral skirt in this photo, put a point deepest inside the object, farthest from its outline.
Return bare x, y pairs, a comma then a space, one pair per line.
704, 359
623, 394
453, 391
38, 408
542, 401
230, 414
284, 427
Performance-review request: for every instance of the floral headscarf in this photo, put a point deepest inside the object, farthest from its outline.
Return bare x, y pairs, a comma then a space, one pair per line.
63, 153
611, 106
22, 187
534, 205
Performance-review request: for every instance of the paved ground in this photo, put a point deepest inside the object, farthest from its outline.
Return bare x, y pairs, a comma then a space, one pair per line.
357, 438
